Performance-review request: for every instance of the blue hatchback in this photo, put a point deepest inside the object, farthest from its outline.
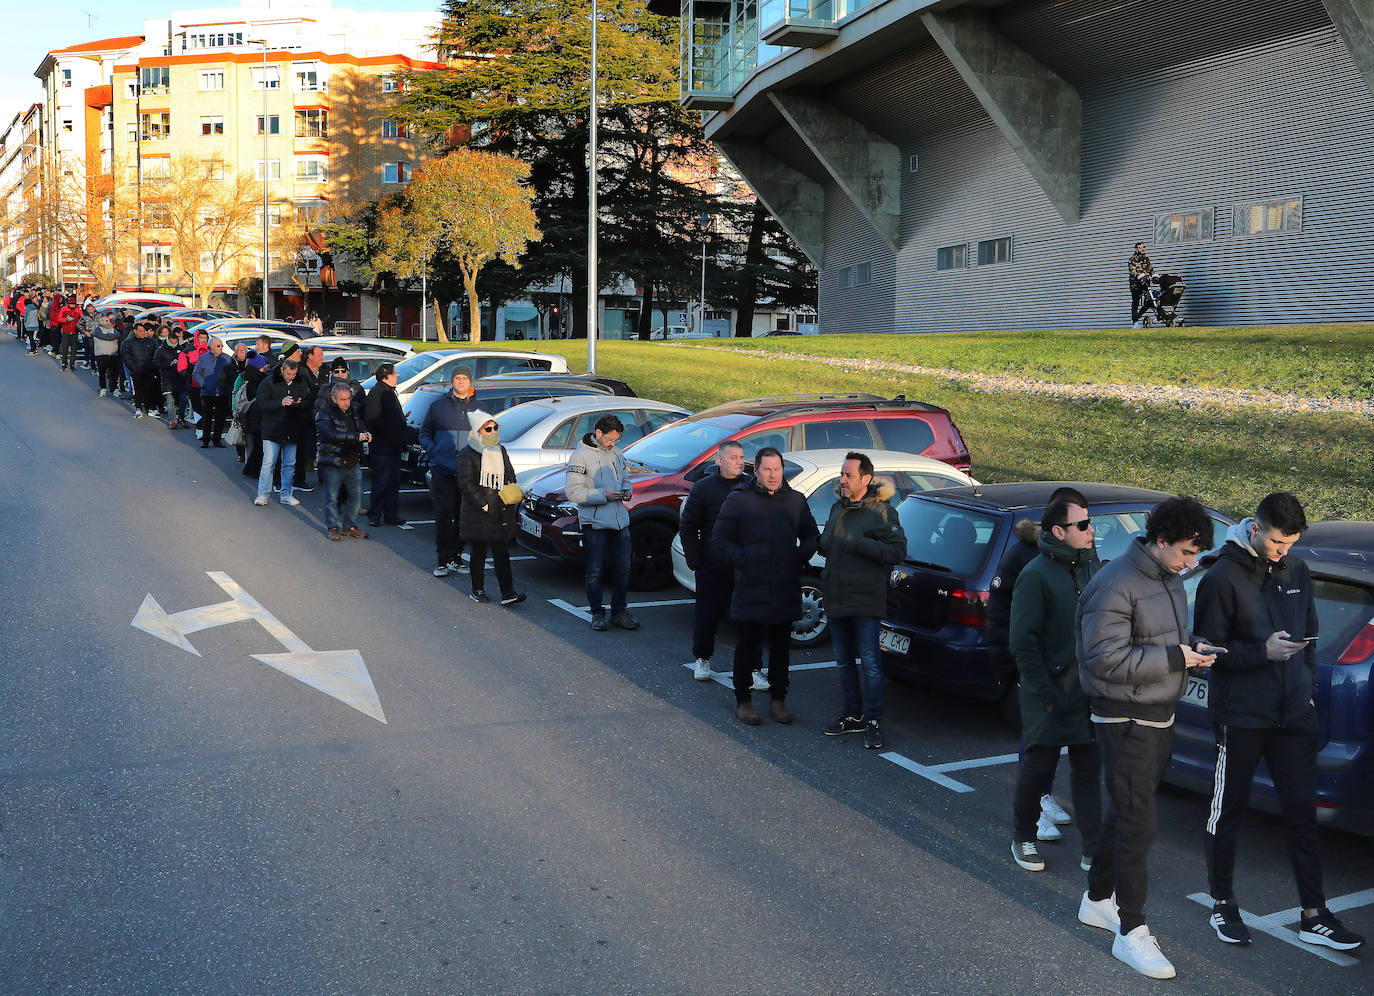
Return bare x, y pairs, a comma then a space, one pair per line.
1340, 556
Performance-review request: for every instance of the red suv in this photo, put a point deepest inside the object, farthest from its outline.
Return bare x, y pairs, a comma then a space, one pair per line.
664, 465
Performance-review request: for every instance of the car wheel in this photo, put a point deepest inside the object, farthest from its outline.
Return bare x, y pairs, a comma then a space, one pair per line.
1011, 707
651, 556
813, 626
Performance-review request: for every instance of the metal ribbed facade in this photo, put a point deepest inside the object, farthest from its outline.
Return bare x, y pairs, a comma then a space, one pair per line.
1288, 116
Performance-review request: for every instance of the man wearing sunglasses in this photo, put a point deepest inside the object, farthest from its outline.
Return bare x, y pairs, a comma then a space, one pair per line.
1054, 707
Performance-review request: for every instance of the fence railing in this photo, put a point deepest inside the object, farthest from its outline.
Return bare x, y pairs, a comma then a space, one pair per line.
348, 328
387, 330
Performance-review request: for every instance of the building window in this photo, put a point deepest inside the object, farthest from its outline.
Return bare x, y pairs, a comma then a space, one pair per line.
212, 124
390, 129
155, 79
273, 215
155, 127
309, 211
951, 257
312, 169
310, 77
1184, 226
273, 124
391, 84
212, 39
863, 274
212, 79
155, 168
266, 77
157, 259
66, 124
212, 169
396, 172
1266, 217
132, 131
307, 262
994, 251
273, 170
843, 278
312, 123
66, 77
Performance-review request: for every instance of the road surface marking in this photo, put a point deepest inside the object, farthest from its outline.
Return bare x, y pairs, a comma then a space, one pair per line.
936, 772
583, 612
340, 674
727, 678
1277, 924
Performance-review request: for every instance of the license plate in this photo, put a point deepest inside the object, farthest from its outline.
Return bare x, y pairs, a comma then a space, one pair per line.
1196, 692
893, 643
530, 526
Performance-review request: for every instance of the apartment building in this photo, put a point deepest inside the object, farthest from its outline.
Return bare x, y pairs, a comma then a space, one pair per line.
21, 155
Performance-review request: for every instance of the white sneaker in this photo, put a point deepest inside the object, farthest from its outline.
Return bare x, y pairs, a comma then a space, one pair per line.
1045, 828
1050, 807
760, 683
701, 670
259, 501
289, 500
1102, 913
103, 392
1140, 950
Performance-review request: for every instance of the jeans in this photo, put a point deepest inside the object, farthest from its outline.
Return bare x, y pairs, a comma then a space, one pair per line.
607, 548
500, 562
749, 657
857, 636
385, 502
448, 543
175, 403
270, 449
1085, 780
715, 588
1133, 761
347, 509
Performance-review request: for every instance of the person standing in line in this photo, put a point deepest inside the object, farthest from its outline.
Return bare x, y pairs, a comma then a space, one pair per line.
312, 367
715, 579
767, 533
44, 329
186, 365
862, 541
208, 377
106, 338
598, 483
341, 439
284, 404
172, 383
442, 434
491, 503
137, 353
67, 316
31, 323
260, 363
386, 420
1054, 707
85, 327
230, 379
1134, 648
1256, 601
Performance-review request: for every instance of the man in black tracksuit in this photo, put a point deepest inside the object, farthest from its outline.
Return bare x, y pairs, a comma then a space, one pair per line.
714, 576
1257, 603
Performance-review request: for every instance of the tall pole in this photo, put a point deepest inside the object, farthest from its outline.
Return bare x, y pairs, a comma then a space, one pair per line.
701, 310
424, 296
266, 172
138, 165
592, 294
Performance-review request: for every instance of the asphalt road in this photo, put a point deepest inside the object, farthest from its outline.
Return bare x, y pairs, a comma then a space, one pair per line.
545, 809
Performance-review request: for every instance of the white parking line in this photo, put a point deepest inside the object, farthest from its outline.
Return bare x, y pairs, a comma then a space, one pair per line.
583, 612
936, 772
1276, 924
727, 678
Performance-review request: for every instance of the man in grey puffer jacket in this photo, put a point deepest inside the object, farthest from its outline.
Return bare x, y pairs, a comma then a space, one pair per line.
599, 484
1134, 647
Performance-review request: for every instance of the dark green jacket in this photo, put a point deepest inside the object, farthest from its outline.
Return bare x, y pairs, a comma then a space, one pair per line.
1054, 707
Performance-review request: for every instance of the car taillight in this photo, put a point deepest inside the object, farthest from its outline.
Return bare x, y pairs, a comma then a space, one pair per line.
968, 607
1361, 648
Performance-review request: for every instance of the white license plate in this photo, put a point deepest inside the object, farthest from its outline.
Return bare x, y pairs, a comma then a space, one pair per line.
530, 526
1196, 692
893, 643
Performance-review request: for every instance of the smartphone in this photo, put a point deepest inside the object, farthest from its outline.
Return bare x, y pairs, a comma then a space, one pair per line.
1307, 639
1207, 649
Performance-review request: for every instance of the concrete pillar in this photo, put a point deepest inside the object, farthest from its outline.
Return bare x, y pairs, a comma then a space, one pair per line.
796, 200
1354, 19
866, 166
1038, 112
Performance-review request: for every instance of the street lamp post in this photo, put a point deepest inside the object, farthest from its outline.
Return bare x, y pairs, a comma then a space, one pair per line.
705, 221
592, 294
266, 174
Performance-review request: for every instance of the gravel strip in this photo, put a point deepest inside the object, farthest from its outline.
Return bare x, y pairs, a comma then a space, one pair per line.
1152, 394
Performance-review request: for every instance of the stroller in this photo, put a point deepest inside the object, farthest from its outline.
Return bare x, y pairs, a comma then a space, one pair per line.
1163, 291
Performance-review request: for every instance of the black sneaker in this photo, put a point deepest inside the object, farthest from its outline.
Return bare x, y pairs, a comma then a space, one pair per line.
1325, 929
479, 596
873, 735
624, 620
599, 622
1227, 923
843, 725
1027, 855
513, 599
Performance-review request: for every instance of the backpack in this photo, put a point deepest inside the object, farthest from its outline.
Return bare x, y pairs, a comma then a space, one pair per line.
239, 406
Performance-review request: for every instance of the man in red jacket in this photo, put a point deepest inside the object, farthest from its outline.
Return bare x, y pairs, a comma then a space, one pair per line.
64, 315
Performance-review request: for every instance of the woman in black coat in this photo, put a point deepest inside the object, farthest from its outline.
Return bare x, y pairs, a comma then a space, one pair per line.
484, 468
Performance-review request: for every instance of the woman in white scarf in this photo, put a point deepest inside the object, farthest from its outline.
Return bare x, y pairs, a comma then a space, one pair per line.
491, 503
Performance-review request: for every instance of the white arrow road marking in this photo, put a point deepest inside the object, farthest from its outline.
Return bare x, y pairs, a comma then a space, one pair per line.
340, 674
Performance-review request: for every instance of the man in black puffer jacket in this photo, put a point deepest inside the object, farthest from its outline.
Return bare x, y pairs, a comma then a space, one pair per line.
1256, 601
714, 576
766, 532
340, 451
386, 420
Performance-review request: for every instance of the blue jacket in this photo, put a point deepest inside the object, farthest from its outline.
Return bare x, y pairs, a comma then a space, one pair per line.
209, 372
445, 431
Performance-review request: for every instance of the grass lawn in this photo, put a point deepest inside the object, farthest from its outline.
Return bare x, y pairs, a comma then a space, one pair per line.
1228, 459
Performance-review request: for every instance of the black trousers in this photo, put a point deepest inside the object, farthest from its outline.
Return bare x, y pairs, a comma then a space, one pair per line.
147, 390
385, 502
1133, 761
1290, 754
749, 642
715, 587
443, 489
107, 370
1138, 300
1085, 782
500, 563
216, 416
68, 349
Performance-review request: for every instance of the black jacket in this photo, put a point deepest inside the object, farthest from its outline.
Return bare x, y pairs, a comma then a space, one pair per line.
485, 518
1240, 602
229, 377
323, 396
283, 424
861, 542
698, 519
336, 435
386, 420
1020, 553
165, 360
767, 539
137, 353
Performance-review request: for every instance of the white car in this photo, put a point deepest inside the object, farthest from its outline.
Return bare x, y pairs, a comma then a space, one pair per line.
543, 434
816, 474
369, 344
435, 366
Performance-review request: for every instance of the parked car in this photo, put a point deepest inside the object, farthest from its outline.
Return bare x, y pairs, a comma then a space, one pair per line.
362, 363
816, 474
1340, 556
935, 630
371, 344
436, 366
664, 466
543, 434
216, 325
137, 300
231, 337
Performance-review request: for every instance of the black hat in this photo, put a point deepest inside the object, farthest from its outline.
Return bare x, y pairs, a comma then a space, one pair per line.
339, 364
465, 371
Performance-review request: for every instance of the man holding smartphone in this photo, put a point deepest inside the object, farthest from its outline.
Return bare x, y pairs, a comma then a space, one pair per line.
1257, 603
598, 482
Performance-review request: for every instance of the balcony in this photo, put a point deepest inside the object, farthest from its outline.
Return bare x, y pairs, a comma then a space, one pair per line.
705, 51
798, 23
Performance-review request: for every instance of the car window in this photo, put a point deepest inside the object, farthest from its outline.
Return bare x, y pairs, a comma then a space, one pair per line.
822, 499
1113, 531
510, 364
946, 538
676, 446
586, 423
516, 421
1343, 610
407, 369
657, 420
441, 373
852, 434
560, 438
779, 437
359, 369
905, 435
929, 482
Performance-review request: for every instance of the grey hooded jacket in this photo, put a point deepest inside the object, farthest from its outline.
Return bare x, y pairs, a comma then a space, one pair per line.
592, 471
1129, 625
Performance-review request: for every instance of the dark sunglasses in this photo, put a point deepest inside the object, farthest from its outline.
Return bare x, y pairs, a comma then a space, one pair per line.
1083, 525
486, 428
